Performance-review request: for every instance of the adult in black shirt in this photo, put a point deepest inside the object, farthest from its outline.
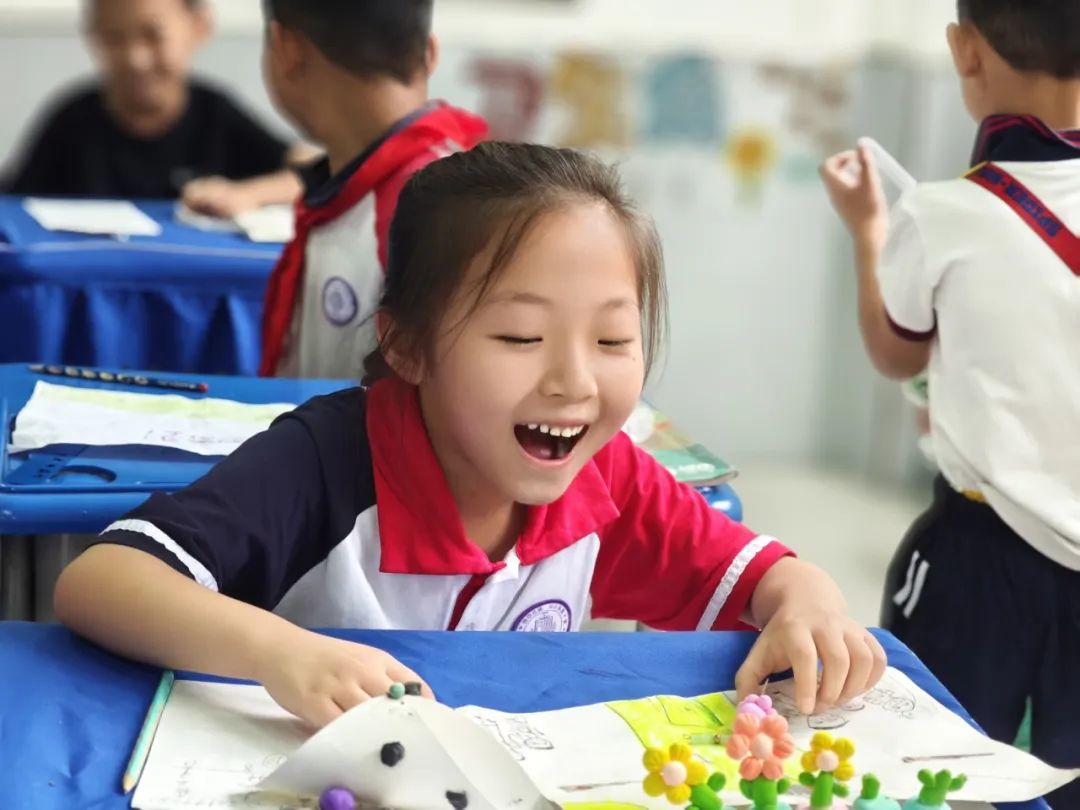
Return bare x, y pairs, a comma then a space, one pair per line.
147, 129
81, 150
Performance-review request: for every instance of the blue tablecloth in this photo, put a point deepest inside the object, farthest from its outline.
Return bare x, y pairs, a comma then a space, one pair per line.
63, 510
186, 300
69, 712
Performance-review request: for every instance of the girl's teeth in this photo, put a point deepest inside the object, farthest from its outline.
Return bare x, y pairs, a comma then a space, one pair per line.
558, 432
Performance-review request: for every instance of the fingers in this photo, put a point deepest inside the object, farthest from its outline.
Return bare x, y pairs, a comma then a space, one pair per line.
835, 661
402, 674
320, 712
841, 170
860, 669
349, 695
754, 670
881, 661
804, 660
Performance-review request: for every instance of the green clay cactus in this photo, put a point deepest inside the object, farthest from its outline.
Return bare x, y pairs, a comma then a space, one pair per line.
936, 789
765, 793
707, 796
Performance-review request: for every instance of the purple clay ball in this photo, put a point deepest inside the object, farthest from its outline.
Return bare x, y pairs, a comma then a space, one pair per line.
337, 799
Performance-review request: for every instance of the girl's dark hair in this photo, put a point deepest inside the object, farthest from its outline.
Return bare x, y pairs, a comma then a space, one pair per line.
453, 209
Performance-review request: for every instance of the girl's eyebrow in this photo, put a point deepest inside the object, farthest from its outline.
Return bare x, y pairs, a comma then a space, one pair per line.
540, 301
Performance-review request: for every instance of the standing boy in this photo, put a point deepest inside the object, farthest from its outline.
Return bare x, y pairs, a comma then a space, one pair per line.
979, 279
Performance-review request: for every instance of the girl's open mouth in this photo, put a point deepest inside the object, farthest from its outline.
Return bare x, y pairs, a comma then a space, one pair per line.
549, 442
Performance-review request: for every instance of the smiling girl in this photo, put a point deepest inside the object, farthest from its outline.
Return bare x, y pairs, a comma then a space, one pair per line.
479, 481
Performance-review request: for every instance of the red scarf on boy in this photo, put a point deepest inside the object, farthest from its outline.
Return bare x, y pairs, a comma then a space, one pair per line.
404, 152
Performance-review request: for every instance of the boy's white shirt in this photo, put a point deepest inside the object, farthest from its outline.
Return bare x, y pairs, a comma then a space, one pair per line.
333, 327
1005, 365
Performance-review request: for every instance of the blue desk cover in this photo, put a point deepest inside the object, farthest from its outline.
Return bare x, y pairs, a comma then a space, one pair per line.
186, 300
69, 713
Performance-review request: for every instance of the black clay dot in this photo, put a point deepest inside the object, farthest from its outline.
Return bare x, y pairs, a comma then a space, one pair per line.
459, 801
413, 688
392, 754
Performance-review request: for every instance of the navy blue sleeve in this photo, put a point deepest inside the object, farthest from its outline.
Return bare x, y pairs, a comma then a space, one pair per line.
268, 513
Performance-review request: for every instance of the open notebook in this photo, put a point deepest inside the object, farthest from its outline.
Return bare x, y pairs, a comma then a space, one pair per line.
223, 746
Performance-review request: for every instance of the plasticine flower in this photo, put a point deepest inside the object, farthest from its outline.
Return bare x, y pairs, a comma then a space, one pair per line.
762, 743
830, 756
673, 773
757, 705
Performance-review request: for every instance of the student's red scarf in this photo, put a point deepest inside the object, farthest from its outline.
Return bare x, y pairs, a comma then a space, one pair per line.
404, 149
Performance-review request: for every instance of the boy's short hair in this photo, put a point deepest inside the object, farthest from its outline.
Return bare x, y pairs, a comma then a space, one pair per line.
1031, 35
365, 37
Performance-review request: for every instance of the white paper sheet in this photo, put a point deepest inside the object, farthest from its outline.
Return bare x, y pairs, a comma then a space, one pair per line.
108, 217
222, 747
62, 414
271, 223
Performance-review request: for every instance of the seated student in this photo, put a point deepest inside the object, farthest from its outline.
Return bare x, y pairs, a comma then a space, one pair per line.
353, 76
481, 481
975, 280
147, 129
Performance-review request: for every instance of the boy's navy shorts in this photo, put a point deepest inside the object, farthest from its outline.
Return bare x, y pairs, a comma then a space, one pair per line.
996, 621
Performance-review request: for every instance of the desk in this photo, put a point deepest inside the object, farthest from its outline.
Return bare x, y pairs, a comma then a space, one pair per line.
186, 300
28, 566
73, 711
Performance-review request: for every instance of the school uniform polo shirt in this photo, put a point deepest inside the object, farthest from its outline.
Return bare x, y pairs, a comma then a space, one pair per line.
339, 516
321, 299
963, 269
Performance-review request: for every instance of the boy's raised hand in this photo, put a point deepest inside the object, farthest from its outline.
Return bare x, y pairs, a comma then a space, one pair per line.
804, 620
319, 678
854, 187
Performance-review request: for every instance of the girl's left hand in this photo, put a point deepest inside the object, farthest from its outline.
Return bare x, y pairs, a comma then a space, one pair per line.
805, 620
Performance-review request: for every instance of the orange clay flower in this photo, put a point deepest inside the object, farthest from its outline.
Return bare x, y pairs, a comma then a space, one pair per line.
762, 743
831, 756
673, 772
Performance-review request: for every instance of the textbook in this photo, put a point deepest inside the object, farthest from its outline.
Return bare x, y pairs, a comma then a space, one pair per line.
687, 460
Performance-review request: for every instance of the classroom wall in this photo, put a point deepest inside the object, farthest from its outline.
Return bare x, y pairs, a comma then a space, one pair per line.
764, 360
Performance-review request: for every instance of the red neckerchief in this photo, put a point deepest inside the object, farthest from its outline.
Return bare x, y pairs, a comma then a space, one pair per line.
420, 528
402, 149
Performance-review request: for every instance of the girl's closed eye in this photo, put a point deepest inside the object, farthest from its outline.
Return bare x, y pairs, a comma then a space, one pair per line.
516, 340
617, 343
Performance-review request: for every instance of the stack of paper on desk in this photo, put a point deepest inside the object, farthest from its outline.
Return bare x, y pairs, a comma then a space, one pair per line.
227, 746
101, 217
272, 223
62, 414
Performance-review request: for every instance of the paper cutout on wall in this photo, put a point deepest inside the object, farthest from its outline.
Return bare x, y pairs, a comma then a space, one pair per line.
751, 154
593, 88
817, 100
513, 93
683, 101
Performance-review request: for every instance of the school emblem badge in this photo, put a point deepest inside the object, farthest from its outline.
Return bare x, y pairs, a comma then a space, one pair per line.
552, 616
339, 301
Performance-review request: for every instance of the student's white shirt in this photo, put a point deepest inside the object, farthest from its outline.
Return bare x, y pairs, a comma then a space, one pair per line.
962, 268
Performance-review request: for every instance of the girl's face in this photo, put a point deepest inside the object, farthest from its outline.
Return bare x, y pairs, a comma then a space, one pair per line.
523, 391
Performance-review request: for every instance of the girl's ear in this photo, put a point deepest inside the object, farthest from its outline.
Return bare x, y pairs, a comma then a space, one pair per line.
402, 360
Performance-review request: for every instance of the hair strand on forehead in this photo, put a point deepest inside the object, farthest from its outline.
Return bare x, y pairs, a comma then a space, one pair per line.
491, 197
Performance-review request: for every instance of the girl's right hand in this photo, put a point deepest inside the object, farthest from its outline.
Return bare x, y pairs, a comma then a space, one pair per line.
319, 678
